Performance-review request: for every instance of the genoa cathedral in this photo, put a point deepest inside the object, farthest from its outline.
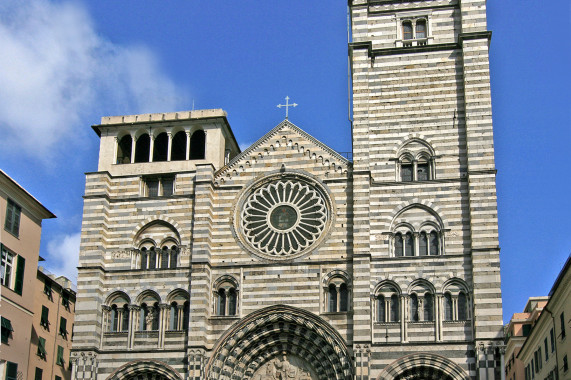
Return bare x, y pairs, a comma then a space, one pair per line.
289, 261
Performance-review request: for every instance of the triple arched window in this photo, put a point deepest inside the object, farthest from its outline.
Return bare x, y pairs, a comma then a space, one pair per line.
160, 146
226, 297
147, 313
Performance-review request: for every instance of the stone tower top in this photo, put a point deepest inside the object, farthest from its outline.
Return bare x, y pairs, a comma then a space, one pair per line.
155, 143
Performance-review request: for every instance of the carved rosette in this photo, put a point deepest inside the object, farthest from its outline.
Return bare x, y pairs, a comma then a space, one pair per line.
283, 217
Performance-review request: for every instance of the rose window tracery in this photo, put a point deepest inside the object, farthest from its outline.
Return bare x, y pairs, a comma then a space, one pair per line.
283, 218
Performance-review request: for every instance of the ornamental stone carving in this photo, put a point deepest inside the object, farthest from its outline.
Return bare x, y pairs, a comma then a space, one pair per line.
284, 367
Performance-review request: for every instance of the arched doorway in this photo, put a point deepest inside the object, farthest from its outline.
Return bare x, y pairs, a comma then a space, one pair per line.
145, 370
280, 342
423, 366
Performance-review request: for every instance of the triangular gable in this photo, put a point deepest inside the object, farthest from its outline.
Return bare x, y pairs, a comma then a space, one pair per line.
315, 150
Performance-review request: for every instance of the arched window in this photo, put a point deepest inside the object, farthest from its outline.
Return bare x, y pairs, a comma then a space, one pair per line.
173, 256
226, 296
395, 317
381, 316
142, 148
414, 308
407, 30
406, 170
422, 170
408, 244
114, 320
415, 158
447, 307
124, 147
232, 301
125, 318
422, 244
399, 246
164, 257
462, 306
434, 243
178, 148
156, 317
160, 147
197, 147
221, 307
173, 323
152, 258
343, 298
185, 315
332, 305
144, 258
428, 307
143, 316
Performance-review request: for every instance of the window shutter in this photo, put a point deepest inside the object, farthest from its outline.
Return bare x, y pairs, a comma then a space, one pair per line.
11, 371
39, 373
45, 317
8, 220
60, 360
63, 326
20, 267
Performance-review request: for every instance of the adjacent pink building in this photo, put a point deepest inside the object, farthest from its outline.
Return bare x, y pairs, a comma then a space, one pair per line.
21, 216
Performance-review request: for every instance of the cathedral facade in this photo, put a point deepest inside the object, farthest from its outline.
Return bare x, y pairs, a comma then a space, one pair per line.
288, 261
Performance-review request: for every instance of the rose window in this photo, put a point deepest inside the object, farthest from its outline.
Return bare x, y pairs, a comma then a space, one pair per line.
283, 218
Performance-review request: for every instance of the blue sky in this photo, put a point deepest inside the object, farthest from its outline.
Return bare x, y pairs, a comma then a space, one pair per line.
67, 63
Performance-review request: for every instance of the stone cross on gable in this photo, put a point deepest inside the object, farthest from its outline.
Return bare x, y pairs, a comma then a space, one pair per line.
287, 105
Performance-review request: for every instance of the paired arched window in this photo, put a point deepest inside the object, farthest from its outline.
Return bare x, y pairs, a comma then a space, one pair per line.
119, 318
179, 315
226, 297
421, 302
116, 314
414, 32
387, 304
182, 146
337, 297
456, 304
415, 161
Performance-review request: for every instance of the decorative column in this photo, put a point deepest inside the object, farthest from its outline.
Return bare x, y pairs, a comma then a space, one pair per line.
437, 314
151, 146
502, 361
414, 169
180, 319
402, 318
164, 308
187, 145
169, 147
104, 322
116, 149
133, 148
133, 314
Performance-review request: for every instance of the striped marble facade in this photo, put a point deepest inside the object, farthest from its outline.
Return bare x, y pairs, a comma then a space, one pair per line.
167, 289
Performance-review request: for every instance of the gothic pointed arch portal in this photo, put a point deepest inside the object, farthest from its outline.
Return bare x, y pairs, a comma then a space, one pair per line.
423, 366
280, 342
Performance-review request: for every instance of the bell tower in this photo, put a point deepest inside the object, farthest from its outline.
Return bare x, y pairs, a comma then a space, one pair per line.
423, 143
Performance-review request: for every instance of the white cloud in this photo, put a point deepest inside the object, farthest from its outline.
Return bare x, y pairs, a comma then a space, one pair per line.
63, 257
57, 74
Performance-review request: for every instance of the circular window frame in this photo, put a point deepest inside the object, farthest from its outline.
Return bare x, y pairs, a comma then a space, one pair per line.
238, 229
